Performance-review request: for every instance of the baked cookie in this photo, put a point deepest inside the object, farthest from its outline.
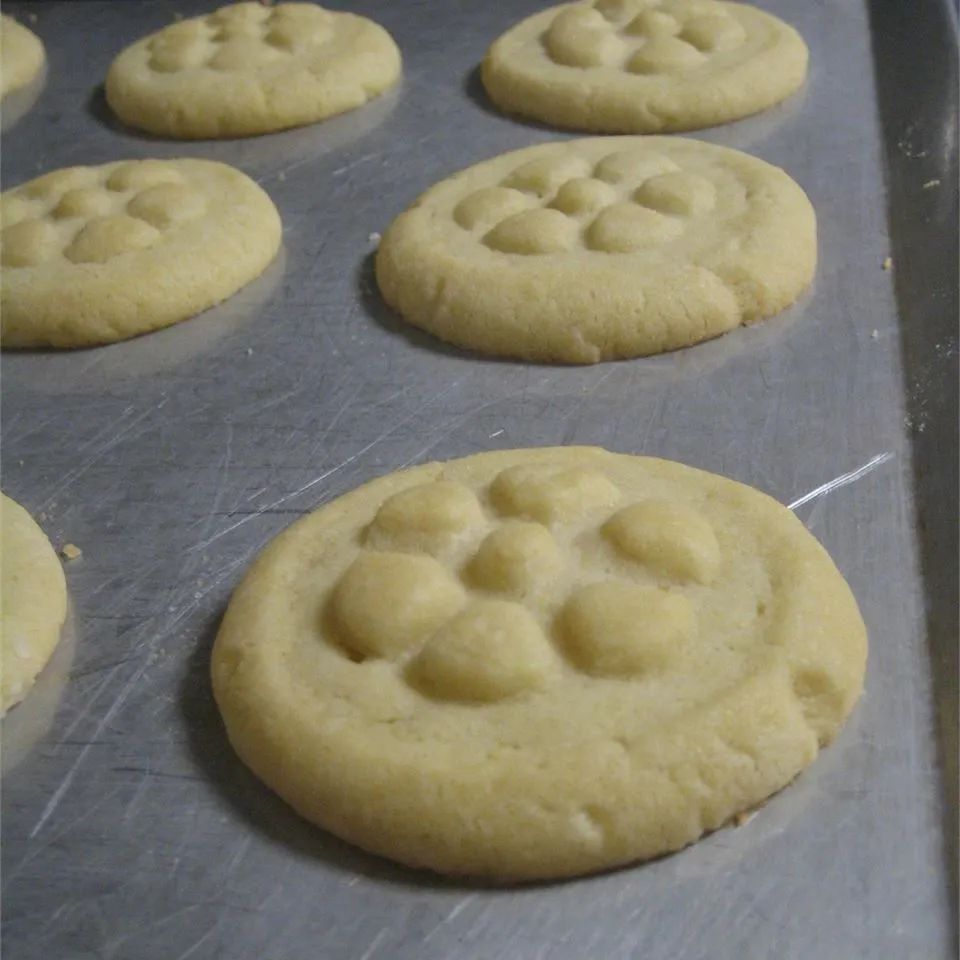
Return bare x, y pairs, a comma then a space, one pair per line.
96, 254
589, 250
33, 595
251, 68
537, 663
21, 55
644, 66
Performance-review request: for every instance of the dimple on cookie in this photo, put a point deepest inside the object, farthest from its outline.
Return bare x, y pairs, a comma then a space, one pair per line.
537, 663
600, 248
96, 254
644, 66
251, 68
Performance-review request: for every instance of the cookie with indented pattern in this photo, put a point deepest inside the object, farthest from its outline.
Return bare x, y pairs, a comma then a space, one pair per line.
21, 55
33, 601
95, 254
537, 663
595, 249
251, 68
644, 66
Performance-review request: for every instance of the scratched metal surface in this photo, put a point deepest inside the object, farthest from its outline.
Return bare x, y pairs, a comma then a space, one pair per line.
129, 828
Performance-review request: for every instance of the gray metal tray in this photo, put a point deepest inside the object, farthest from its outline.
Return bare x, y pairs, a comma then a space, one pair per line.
130, 830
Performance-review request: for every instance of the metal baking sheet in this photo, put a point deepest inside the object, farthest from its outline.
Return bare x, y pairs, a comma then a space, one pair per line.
130, 830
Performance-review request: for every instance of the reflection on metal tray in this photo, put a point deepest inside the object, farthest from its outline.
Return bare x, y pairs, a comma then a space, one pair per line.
130, 830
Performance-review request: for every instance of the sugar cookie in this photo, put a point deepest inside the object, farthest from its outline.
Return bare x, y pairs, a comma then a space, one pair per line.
537, 663
594, 249
33, 594
96, 254
251, 68
21, 55
644, 66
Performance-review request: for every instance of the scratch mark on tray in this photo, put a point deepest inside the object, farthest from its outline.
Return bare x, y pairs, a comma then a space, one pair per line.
190, 951
146, 772
453, 913
281, 174
203, 544
221, 477
128, 687
571, 422
77, 472
366, 158
842, 480
368, 953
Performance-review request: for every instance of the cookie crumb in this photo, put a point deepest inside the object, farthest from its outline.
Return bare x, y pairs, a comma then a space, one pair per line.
888, 263
930, 184
374, 238
70, 551
249, 351
875, 335
281, 176
744, 817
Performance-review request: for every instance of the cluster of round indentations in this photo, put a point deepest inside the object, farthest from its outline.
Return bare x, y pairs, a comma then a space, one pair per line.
243, 36
473, 603
642, 37
87, 217
629, 200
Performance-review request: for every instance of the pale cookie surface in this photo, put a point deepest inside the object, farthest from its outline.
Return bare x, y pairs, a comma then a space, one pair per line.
33, 595
96, 254
601, 248
21, 55
537, 663
644, 66
251, 68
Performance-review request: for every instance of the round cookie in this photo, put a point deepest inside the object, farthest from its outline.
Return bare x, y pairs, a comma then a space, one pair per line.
596, 249
251, 68
21, 55
33, 595
644, 66
537, 663
97, 254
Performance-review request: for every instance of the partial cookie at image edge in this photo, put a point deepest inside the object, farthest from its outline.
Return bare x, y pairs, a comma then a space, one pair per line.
22, 55
219, 78
93, 255
34, 601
